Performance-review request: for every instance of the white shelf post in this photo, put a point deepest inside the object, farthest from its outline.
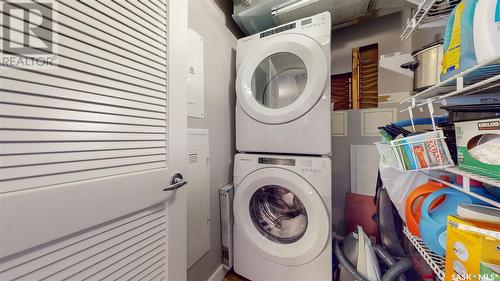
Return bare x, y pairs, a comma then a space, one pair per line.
431, 111
410, 112
460, 83
466, 184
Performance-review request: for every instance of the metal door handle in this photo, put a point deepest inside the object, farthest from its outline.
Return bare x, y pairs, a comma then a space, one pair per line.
177, 182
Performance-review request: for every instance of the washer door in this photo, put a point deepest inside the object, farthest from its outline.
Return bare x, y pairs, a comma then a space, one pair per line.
282, 78
281, 216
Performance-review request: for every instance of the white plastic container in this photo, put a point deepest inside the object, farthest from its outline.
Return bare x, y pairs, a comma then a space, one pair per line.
487, 30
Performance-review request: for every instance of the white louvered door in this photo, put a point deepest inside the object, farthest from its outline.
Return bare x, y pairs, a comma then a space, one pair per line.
87, 147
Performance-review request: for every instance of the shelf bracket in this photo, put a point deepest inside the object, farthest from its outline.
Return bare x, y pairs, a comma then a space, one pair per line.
410, 112
466, 183
460, 83
431, 112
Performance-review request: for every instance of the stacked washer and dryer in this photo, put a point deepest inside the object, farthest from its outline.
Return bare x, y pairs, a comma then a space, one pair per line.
282, 175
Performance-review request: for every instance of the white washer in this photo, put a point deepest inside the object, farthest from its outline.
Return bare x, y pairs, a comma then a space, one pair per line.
283, 89
282, 212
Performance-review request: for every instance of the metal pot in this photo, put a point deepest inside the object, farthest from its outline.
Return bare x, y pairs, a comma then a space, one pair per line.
426, 65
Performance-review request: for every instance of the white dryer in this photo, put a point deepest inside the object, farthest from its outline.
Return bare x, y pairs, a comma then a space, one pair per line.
282, 211
283, 89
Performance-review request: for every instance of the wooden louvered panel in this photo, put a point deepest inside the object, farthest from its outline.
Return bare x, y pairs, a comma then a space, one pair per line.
368, 76
101, 111
131, 247
341, 91
365, 76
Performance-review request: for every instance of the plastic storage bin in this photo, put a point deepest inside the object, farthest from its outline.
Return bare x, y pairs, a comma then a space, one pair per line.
432, 225
413, 204
459, 53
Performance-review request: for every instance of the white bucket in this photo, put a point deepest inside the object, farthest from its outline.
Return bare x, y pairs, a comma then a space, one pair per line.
487, 30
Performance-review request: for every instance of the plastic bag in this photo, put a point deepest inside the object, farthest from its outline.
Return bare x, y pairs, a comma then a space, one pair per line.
399, 184
487, 149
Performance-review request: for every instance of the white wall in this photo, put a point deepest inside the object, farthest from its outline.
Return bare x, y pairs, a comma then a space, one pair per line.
385, 32
206, 18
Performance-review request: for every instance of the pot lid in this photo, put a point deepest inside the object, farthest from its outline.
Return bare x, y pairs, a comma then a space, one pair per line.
427, 47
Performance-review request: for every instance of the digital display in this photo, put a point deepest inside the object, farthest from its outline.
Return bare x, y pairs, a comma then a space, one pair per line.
278, 30
277, 161
306, 21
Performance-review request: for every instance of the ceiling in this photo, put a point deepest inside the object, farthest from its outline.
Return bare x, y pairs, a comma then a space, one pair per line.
257, 15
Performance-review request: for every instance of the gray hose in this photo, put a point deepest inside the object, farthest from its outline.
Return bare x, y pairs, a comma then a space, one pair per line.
346, 264
396, 269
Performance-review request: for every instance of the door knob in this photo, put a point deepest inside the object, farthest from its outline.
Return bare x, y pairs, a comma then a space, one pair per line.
176, 182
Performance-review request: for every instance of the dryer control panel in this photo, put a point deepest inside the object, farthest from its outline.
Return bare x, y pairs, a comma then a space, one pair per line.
321, 22
278, 30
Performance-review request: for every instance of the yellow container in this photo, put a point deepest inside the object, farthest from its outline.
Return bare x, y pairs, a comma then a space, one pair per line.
468, 246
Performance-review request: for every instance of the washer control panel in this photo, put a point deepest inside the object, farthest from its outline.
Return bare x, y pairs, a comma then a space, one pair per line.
316, 169
312, 166
302, 164
277, 161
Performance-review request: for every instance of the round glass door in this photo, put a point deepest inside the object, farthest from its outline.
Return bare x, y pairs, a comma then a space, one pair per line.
282, 78
279, 80
281, 216
278, 214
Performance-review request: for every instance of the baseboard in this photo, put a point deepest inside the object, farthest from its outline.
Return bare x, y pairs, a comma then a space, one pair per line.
218, 274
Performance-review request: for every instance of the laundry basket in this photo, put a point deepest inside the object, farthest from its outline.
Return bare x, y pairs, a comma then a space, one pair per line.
419, 152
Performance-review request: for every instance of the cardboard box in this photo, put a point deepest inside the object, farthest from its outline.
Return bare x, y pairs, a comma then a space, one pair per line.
478, 147
472, 250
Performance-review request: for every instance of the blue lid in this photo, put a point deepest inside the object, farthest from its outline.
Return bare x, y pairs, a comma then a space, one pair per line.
442, 239
497, 14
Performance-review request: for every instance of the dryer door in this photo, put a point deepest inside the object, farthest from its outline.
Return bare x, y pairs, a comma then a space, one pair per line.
281, 216
282, 78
